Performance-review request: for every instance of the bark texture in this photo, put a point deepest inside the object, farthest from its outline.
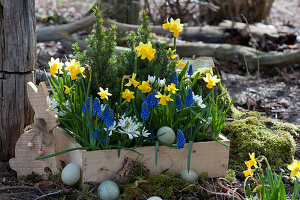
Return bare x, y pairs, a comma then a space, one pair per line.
17, 61
253, 10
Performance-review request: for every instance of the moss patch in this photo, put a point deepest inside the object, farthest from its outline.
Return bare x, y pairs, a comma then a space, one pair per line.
262, 136
166, 186
142, 185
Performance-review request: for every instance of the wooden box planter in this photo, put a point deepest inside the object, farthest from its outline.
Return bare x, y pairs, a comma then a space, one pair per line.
97, 166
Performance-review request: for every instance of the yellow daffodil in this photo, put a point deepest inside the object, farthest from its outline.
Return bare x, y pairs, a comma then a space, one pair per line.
145, 51
295, 169
171, 53
211, 80
180, 63
145, 87
163, 98
248, 172
128, 95
67, 90
132, 81
151, 54
252, 161
74, 69
174, 25
55, 65
171, 88
104, 94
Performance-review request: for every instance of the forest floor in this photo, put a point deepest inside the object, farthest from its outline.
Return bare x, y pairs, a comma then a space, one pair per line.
275, 93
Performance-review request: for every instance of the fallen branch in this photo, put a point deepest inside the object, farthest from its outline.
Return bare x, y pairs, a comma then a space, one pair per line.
64, 31
218, 193
21, 187
238, 54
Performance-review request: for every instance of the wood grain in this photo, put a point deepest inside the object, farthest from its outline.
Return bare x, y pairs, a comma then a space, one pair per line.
24, 162
211, 157
17, 61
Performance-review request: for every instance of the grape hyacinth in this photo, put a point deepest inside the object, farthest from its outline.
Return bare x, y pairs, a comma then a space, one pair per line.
189, 100
174, 79
97, 107
110, 118
86, 106
105, 112
190, 72
96, 134
145, 113
178, 102
151, 100
180, 139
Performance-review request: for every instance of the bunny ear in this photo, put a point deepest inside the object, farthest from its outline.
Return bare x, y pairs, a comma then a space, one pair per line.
38, 98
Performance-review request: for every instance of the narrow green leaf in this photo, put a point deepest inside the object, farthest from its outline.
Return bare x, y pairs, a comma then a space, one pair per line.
189, 155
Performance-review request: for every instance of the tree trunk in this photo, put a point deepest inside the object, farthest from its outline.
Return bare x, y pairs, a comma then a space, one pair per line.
253, 10
17, 61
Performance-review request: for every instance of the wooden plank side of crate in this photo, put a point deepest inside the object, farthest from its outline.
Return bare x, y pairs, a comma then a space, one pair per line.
211, 157
64, 141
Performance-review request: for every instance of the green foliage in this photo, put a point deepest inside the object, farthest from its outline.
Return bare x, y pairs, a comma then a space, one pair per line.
268, 184
256, 134
101, 58
109, 68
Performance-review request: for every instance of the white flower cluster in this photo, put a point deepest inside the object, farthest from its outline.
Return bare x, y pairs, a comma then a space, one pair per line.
53, 105
160, 82
132, 127
198, 100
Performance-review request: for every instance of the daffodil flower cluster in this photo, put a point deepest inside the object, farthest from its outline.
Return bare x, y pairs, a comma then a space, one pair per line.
73, 68
269, 186
174, 25
252, 162
145, 51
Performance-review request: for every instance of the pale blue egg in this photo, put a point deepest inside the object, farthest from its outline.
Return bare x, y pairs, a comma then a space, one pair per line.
108, 190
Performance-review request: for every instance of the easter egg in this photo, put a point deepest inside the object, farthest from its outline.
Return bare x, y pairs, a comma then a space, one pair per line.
189, 176
166, 134
108, 190
154, 198
70, 174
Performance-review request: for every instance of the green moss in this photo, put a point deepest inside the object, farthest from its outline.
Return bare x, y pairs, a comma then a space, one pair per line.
231, 176
258, 134
166, 186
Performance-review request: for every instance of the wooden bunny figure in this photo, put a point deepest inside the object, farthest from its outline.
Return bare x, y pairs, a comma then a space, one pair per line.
37, 139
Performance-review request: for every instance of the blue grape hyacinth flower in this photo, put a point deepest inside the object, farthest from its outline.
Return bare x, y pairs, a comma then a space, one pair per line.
180, 139
190, 72
105, 112
97, 107
110, 118
145, 113
96, 134
189, 100
174, 79
178, 102
86, 106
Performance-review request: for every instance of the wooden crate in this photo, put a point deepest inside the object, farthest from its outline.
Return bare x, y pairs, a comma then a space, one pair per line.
97, 166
